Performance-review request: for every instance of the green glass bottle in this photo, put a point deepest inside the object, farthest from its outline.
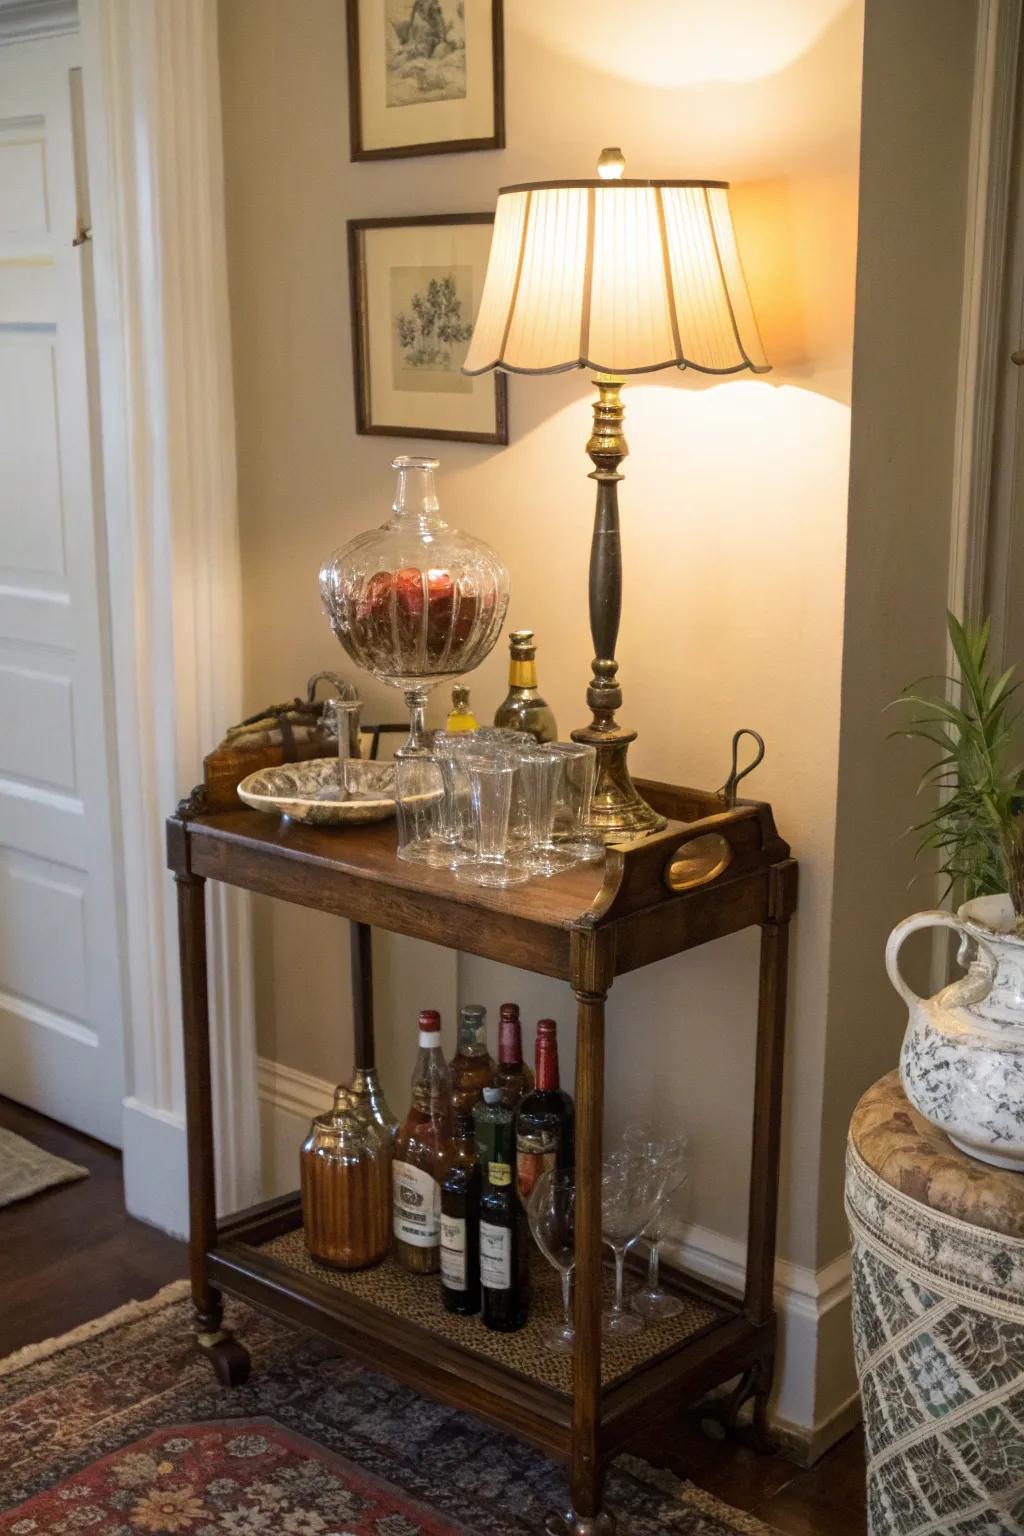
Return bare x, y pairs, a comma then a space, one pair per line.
523, 709
504, 1235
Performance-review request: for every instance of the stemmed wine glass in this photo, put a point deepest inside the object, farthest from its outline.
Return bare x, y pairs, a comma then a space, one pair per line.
667, 1162
552, 1213
629, 1196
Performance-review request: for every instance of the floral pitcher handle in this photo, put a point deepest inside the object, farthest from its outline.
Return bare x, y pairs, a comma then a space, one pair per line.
982, 972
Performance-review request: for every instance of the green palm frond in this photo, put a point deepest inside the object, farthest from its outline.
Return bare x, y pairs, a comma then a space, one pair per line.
976, 828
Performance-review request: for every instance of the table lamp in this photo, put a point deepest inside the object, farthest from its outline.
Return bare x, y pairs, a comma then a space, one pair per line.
622, 277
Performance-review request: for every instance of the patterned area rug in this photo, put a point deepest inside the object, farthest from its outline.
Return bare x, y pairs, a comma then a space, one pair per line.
27, 1170
121, 1430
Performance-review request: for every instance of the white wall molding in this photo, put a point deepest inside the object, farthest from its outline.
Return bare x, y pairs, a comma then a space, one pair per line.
24, 21
815, 1400
988, 196
163, 337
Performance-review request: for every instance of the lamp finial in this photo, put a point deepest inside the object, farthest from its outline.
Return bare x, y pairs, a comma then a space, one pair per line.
611, 164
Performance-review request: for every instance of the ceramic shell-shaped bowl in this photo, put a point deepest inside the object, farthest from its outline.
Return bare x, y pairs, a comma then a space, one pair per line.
345, 1168
312, 792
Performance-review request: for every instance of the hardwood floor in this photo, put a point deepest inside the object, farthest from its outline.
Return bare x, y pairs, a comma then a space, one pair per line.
73, 1253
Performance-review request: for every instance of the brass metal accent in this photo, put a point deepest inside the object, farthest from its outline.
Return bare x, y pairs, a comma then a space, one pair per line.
83, 231
699, 862
208, 1340
618, 812
611, 164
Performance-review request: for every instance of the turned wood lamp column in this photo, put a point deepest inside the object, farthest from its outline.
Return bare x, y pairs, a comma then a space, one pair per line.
621, 277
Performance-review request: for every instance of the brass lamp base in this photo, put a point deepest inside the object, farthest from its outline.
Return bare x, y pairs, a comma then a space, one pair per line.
617, 812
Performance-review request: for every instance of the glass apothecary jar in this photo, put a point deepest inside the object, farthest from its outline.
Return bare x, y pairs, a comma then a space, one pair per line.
345, 1168
415, 602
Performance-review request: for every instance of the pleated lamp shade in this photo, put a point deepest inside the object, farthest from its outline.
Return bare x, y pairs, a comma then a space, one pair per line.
618, 276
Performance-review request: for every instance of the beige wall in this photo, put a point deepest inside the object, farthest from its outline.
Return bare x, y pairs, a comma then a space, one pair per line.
734, 505
917, 106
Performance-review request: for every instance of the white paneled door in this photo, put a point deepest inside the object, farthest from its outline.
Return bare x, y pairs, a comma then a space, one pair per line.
61, 1038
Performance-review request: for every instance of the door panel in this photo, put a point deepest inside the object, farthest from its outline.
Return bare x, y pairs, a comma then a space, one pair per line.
61, 1041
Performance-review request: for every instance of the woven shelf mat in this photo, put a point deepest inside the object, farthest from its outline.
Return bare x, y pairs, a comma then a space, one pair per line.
417, 1299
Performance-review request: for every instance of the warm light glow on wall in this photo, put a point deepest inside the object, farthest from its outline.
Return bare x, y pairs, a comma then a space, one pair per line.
686, 43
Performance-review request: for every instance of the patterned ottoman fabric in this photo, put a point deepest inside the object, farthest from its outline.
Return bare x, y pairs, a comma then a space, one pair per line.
938, 1322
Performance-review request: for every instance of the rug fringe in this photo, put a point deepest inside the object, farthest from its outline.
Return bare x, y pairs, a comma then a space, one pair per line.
688, 1493
129, 1313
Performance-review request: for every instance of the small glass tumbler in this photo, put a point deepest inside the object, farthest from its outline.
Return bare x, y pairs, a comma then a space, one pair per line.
418, 795
490, 792
572, 803
346, 713
455, 831
540, 773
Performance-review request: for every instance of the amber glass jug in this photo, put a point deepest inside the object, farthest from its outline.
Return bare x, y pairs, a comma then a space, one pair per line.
345, 1167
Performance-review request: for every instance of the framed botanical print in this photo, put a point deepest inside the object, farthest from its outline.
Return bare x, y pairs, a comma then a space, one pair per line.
426, 77
416, 286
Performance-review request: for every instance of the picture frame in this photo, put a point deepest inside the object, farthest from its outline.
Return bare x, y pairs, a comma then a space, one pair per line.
426, 77
415, 286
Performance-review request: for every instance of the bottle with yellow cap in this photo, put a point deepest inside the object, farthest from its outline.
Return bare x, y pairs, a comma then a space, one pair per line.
461, 717
524, 709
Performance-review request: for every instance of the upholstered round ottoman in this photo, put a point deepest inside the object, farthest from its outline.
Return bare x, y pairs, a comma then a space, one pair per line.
938, 1325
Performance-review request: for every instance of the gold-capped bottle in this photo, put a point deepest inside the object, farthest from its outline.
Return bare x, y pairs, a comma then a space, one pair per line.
524, 709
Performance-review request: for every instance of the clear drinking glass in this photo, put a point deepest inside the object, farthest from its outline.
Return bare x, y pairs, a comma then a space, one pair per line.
552, 1213
490, 793
346, 714
418, 795
573, 800
540, 773
455, 831
628, 1200
667, 1161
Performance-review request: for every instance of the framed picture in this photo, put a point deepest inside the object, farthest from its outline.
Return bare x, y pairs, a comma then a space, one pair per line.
416, 286
425, 77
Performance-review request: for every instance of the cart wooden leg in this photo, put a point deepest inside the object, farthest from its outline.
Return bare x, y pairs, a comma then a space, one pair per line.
586, 1477
228, 1358
758, 1298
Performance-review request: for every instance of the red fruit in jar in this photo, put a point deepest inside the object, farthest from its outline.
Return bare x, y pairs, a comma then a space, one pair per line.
440, 596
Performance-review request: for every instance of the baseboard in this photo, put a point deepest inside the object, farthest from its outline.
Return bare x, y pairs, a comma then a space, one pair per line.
815, 1401
155, 1167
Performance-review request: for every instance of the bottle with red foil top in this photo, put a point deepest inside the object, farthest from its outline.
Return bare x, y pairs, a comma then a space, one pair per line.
546, 1118
512, 1076
422, 1155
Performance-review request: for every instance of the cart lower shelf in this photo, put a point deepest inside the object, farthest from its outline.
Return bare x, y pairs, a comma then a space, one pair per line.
395, 1321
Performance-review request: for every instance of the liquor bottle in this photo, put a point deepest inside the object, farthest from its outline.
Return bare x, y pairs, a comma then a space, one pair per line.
460, 1224
461, 717
504, 1236
471, 1067
511, 1075
546, 1119
423, 1151
524, 709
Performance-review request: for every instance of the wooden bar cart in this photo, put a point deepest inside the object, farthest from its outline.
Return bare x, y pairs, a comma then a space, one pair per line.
713, 871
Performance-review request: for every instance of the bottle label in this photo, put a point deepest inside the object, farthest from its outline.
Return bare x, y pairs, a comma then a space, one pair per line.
417, 1206
529, 1168
495, 1257
453, 1252
499, 1174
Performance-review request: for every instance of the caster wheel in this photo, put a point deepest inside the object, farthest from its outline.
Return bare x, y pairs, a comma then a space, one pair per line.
230, 1361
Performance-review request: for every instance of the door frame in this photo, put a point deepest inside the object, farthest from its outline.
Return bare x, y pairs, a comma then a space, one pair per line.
170, 518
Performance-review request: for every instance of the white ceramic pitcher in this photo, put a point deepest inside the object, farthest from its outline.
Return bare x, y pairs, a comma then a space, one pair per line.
962, 1062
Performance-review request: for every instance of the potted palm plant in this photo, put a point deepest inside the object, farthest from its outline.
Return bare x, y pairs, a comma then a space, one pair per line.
962, 1062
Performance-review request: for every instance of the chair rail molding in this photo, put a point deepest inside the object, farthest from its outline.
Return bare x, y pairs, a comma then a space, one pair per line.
166, 407
988, 200
23, 21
